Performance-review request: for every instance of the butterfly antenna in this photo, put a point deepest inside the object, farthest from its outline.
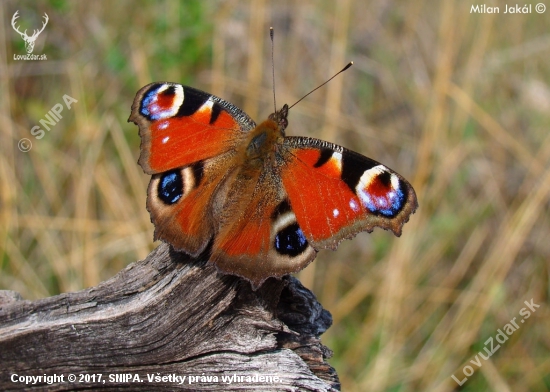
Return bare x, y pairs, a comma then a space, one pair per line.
272, 67
318, 87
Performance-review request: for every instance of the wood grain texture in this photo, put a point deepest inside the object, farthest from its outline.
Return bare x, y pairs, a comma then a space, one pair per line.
167, 315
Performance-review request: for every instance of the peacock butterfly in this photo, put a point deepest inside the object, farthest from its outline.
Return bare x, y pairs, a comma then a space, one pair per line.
261, 203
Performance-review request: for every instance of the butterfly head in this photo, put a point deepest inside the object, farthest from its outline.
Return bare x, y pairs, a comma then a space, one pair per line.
280, 117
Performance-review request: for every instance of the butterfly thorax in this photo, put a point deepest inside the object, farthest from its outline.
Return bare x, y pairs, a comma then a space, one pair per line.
263, 140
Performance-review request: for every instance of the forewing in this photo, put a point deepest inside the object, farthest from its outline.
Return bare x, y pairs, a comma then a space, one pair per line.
180, 125
335, 193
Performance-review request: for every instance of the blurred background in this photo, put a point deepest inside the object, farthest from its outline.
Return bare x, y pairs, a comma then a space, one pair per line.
456, 102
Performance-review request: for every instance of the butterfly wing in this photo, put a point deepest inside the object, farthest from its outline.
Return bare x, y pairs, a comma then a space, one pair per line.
180, 203
188, 141
315, 195
180, 125
259, 236
335, 193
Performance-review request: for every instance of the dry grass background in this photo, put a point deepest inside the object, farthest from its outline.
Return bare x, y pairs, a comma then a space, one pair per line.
458, 103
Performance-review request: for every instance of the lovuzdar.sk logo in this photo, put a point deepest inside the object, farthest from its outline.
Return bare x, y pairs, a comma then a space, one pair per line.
29, 39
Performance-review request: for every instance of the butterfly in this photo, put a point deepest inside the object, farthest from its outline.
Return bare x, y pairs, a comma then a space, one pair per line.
259, 202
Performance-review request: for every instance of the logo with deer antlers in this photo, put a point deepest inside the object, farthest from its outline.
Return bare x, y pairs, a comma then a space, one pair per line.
29, 41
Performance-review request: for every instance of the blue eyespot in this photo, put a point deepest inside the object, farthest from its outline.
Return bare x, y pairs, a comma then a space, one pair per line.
147, 99
161, 101
170, 188
389, 204
291, 241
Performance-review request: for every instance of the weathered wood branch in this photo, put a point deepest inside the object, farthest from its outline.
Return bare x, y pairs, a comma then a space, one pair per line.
168, 315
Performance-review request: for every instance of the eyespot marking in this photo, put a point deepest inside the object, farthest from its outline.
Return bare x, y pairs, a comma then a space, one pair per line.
291, 241
162, 101
380, 191
170, 187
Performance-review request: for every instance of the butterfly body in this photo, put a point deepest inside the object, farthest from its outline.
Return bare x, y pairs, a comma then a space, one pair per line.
262, 203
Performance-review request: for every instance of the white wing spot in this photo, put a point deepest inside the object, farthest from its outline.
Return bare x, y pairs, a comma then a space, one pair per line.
164, 140
207, 106
394, 181
337, 160
335, 212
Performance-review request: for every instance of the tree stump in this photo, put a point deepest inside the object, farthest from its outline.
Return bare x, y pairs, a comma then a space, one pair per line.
162, 317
